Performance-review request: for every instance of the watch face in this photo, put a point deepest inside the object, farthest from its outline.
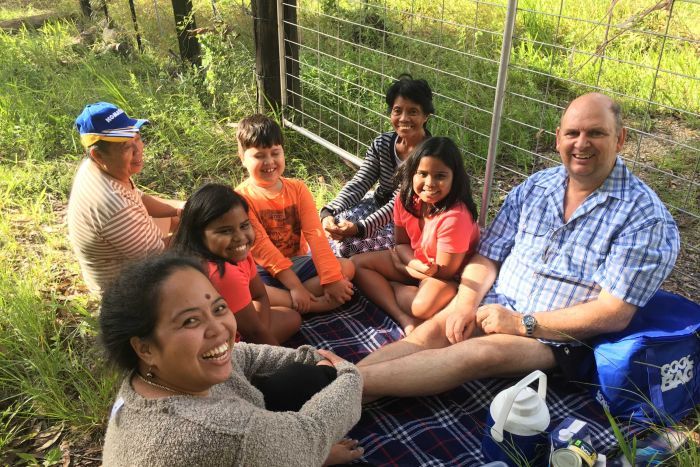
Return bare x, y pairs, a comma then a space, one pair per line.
529, 322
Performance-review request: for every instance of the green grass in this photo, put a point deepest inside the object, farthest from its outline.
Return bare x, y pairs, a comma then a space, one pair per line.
50, 368
15, 9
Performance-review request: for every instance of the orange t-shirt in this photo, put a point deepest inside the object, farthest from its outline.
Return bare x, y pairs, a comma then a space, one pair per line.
286, 225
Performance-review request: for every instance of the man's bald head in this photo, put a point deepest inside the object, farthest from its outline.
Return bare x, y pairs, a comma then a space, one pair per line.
595, 98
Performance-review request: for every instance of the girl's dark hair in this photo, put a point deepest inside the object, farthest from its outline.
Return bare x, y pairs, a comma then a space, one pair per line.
207, 204
417, 90
130, 305
447, 151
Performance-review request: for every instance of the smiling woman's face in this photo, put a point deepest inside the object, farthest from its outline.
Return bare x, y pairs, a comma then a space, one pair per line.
191, 346
122, 160
408, 118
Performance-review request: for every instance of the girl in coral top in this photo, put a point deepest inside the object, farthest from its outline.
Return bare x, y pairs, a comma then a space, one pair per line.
436, 233
215, 227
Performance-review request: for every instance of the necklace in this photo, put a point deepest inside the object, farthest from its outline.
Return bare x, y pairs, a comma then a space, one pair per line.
161, 386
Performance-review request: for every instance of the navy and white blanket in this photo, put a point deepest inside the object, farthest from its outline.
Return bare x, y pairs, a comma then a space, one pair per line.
442, 430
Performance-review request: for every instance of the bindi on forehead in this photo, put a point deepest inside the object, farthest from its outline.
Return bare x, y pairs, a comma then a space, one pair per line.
207, 296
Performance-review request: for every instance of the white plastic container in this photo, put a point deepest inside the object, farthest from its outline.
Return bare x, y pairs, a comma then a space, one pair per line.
518, 419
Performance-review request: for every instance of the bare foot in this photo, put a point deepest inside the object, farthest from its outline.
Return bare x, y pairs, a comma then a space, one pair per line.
343, 452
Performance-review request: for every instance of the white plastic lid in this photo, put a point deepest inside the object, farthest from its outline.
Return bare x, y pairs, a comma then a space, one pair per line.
528, 415
519, 409
565, 434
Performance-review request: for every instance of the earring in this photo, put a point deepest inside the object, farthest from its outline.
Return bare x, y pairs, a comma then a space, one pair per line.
149, 373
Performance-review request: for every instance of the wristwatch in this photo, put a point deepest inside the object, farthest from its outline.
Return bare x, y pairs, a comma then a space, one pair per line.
530, 324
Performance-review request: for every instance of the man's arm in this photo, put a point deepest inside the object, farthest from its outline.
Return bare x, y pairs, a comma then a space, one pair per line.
476, 280
606, 313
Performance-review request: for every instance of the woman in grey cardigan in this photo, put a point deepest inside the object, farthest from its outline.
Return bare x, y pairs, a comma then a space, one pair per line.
188, 399
358, 220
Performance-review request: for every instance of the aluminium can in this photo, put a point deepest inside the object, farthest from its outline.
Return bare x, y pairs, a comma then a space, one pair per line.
565, 457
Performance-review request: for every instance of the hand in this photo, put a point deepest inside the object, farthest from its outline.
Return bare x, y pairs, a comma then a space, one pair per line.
340, 291
427, 269
497, 319
431, 269
459, 324
301, 299
329, 225
329, 358
347, 228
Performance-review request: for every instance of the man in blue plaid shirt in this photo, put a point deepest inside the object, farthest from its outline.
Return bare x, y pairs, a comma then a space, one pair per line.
573, 252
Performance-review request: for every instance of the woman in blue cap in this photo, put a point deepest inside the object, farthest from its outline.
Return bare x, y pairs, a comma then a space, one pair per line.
110, 221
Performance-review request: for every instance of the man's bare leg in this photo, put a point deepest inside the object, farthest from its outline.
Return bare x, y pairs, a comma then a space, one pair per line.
434, 371
429, 335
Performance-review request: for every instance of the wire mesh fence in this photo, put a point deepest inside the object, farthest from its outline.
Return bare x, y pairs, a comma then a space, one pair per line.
642, 53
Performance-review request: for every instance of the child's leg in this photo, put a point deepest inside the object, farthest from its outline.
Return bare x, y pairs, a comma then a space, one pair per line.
432, 296
405, 294
281, 321
314, 286
373, 271
282, 297
284, 322
347, 267
278, 297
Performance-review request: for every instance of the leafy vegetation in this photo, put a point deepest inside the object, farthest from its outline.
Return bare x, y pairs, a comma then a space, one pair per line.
53, 382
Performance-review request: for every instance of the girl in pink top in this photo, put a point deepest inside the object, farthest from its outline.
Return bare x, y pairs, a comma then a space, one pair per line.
435, 235
215, 227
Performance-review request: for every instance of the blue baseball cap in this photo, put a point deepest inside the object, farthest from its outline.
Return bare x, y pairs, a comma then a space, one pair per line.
106, 122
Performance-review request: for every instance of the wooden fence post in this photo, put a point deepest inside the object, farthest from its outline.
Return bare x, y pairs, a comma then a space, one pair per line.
184, 21
292, 54
86, 8
267, 64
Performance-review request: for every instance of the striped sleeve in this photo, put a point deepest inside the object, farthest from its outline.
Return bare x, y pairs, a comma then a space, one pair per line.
367, 175
133, 233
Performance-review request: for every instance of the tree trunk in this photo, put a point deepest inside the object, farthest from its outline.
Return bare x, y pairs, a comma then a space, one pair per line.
267, 63
86, 8
184, 22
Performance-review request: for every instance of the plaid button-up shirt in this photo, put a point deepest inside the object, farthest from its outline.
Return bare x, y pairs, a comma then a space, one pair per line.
621, 239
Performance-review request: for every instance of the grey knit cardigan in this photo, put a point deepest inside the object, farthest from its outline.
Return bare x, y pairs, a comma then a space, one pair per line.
231, 426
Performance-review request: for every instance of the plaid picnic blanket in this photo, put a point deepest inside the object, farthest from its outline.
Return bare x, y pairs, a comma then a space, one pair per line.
442, 430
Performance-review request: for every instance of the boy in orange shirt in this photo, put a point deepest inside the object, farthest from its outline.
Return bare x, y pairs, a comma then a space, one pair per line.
286, 224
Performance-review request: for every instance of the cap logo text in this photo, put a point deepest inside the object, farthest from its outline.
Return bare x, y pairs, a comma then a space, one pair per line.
114, 115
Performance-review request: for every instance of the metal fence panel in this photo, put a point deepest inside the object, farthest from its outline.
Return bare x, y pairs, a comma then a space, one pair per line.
645, 54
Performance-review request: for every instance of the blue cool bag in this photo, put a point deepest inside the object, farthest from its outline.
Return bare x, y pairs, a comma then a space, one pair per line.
649, 371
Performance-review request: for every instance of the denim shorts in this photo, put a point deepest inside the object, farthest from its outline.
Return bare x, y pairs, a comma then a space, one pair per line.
303, 267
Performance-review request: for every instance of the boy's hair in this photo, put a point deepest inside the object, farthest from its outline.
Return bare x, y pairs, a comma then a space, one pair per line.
207, 204
259, 131
417, 90
446, 151
130, 305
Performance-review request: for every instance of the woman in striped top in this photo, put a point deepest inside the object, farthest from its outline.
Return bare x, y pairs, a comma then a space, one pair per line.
358, 220
110, 221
